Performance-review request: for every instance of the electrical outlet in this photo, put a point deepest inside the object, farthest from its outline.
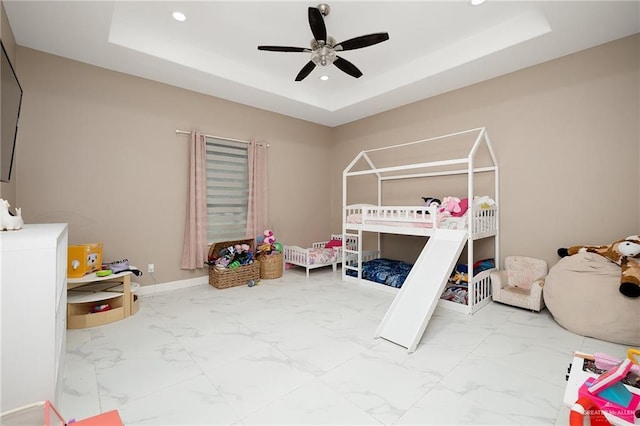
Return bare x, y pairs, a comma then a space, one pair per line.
151, 268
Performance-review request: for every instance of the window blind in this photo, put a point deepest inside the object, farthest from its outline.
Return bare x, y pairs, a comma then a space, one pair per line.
227, 190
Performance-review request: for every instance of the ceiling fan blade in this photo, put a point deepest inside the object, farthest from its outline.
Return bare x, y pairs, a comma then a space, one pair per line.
316, 22
362, 41
305, 71
347, 67
284, 49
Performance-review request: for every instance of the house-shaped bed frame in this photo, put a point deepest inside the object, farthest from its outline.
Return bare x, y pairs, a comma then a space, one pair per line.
409, 314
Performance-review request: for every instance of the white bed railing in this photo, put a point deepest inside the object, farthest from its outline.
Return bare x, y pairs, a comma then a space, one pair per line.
304, 257
359, 213
484, 219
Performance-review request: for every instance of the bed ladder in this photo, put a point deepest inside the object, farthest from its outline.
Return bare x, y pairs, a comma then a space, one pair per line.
351, 254
410, 312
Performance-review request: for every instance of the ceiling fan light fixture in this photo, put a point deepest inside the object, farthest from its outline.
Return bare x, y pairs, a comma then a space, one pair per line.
179, 16
324, 77
324, 47
323, 55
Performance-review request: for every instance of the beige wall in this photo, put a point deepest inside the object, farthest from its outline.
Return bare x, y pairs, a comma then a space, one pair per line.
567, 137
8, 190
98, 149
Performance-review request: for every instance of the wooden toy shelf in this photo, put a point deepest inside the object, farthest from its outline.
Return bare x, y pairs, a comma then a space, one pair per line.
84, 293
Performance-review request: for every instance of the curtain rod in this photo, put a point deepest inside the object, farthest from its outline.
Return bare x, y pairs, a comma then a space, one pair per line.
186, 132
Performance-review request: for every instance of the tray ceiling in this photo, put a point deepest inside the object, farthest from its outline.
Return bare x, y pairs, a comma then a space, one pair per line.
434, 46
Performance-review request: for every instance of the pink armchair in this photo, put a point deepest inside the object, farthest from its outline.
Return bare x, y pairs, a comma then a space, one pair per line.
520, 283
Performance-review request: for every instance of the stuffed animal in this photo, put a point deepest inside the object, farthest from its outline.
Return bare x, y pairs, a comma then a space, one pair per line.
429, 201
484, 202
264, 248
624, 253
269, 237
454, 206
459, 278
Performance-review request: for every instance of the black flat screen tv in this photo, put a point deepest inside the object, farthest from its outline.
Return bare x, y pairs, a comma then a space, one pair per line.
10, 102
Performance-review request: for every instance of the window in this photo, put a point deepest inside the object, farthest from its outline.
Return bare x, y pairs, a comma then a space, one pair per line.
227, 190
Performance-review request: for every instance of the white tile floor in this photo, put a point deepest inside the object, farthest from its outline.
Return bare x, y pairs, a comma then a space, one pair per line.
298, 351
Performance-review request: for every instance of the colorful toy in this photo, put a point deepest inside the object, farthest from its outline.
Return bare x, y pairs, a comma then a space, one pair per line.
454, 206
269, 243
586, 405
84, 259
100, 308
459, 278
233, 257
264, 248
268, 237
624, 253
610, 395
606, 362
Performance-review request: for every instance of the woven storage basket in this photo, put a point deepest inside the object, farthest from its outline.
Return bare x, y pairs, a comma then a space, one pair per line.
231, 277
271, 266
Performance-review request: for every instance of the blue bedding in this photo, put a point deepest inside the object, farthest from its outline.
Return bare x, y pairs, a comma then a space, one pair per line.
384, 271
394, 272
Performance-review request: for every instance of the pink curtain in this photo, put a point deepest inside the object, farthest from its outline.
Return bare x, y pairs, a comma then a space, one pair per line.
258, 194
194, 251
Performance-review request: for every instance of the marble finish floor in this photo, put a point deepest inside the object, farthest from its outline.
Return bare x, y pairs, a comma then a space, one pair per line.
296, 351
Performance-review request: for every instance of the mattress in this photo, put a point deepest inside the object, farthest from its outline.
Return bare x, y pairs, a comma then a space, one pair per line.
384, 271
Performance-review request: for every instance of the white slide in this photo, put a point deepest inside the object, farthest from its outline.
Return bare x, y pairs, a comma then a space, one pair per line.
408, 316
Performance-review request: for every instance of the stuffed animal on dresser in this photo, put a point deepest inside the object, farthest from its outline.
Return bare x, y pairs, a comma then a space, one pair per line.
624, 253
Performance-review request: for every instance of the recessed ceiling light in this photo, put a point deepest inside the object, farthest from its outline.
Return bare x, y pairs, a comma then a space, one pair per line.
179, 16
477, 2
324, 77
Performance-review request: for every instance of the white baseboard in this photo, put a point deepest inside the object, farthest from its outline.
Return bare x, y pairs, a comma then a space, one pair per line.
172, 285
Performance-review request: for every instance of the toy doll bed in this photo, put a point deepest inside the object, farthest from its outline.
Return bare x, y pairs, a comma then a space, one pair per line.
321, 254
424, 285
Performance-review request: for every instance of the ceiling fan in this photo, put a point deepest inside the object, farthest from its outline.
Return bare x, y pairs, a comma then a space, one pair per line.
324, 48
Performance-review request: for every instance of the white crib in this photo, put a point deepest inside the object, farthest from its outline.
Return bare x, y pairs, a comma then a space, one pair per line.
317, 256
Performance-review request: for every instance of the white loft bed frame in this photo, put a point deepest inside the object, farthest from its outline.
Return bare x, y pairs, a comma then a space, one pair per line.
478, 223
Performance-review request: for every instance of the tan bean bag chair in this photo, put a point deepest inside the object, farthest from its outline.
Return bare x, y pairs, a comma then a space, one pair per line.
581, 292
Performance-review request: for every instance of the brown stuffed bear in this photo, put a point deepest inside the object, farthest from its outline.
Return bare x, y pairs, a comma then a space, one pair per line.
624, 253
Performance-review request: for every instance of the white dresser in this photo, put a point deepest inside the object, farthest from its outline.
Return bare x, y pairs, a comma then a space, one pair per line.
33, 301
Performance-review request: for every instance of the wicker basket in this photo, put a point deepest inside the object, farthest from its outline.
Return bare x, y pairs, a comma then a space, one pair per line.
225, 278
271, 266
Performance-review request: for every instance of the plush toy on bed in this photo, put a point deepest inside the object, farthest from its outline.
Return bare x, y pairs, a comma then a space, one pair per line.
429, 201
454, 206
624, 253
484, 201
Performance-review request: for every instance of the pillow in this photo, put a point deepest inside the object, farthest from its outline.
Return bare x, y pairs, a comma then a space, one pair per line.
333, 243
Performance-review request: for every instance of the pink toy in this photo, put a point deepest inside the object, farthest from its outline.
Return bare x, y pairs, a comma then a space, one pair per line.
454, 206
450, 205
610, 395
607, 362
268, 237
